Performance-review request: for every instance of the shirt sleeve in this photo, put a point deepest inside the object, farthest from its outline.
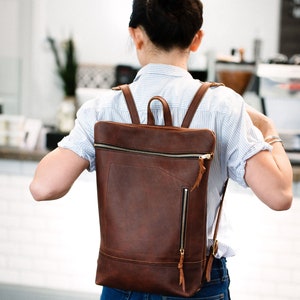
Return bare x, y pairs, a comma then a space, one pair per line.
81, 138
243, 140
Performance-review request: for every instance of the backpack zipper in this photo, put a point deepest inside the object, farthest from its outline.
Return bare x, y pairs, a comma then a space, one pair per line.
183, 155
185, 198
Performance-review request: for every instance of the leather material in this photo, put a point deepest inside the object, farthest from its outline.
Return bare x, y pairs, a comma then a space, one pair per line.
166, 110
140, 200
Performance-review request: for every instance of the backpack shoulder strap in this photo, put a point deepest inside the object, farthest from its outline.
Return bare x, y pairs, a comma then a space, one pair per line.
186, 123
130, 103
214, 247
196, 101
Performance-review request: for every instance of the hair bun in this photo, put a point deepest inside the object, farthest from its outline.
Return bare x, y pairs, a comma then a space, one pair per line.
169, 8
168, 23
172, 5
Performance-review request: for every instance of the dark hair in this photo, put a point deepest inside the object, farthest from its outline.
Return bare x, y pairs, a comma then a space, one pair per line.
168, 23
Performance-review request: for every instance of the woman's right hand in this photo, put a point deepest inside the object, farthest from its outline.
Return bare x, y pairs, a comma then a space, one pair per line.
261, 121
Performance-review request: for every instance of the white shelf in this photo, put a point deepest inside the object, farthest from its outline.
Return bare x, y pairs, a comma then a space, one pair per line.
278, 71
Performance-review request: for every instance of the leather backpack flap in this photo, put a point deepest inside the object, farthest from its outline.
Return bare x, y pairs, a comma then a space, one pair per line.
141, 207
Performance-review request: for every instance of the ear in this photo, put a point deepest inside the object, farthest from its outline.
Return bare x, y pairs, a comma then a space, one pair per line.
196, 41
137, 36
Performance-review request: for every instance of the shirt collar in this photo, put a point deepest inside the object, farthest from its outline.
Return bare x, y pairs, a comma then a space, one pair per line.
162, 69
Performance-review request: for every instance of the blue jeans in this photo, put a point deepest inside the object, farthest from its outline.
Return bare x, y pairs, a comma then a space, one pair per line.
217, 288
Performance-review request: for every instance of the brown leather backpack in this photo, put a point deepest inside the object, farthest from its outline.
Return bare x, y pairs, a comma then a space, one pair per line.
152, 190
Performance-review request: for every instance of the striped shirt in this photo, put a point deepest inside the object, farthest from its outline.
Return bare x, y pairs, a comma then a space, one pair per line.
221, 110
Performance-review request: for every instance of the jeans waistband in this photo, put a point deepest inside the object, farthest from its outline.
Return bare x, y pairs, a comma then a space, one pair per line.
219, 269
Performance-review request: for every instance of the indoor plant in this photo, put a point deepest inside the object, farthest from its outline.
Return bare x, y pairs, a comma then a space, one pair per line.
67, 71
66, 68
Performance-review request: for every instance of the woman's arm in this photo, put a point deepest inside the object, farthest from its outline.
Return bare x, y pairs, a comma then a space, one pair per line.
56, 173
269, 174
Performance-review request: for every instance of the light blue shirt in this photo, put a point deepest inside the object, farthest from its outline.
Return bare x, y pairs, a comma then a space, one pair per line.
221, 110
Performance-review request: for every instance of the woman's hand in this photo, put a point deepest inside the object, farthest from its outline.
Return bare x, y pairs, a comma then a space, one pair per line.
261, 121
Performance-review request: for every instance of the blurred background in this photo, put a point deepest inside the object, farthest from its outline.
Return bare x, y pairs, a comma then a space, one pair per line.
49, 250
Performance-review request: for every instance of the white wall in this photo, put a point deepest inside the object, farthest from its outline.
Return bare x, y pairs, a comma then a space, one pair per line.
100, 31
49, 245
236, 23
15, 39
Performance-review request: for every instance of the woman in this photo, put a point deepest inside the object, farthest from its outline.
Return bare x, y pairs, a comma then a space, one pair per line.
248, 149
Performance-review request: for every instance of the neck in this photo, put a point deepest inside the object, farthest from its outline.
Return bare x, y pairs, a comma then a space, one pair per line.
176, 57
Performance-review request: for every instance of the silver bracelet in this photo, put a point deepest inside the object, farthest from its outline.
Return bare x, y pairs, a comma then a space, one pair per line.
271, 138
275, 141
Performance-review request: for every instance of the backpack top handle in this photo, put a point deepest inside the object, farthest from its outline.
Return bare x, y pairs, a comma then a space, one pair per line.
166, 110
